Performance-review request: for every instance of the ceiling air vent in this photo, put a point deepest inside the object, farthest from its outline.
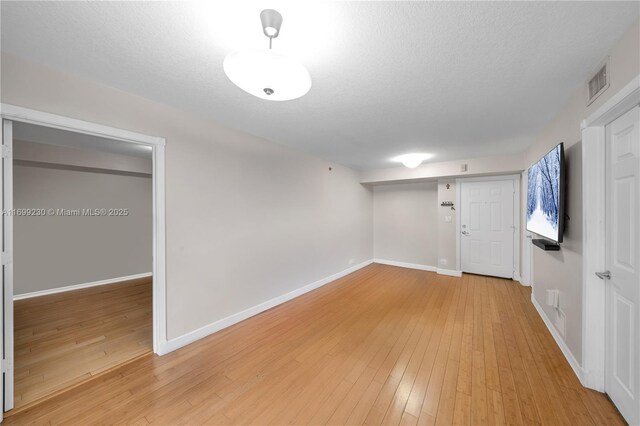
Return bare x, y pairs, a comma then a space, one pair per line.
599, 82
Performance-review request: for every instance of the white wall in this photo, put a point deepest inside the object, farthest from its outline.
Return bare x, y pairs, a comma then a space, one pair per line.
405, 223
410, 225
247, 219
563, 269
447, 252
507, 164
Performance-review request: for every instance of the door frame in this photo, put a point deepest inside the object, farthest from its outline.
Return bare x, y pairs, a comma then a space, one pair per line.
526, 237
6, 241
516, 217
594, 232
26, 115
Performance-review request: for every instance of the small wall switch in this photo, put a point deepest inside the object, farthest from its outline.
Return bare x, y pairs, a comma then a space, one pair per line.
447, 219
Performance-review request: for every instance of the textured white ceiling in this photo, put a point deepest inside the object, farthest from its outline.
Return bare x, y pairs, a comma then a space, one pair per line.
454, 79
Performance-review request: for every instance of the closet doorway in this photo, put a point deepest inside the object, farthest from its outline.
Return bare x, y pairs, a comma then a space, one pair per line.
79, 298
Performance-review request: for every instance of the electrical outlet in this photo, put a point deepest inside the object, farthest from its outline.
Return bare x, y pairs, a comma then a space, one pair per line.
553, 298
447, 219
443, 262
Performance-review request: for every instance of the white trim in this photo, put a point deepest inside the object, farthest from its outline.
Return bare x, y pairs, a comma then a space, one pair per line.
516, 216
593, 256
575, 365
526, 269
26, 115
517, 235
458, 229
8, 346
79, 286
206, 330
405, 265
159, 251
593, 230
450, 272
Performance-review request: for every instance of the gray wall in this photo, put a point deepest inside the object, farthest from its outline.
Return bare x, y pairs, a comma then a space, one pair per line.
57, 251
33, 152
405, 218
563, 270
247, 219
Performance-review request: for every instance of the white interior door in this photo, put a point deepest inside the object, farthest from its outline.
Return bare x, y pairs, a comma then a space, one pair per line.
487, 228
622, 360
7, 262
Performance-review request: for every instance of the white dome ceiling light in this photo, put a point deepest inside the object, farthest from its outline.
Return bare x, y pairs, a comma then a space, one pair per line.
264, 73
412, 160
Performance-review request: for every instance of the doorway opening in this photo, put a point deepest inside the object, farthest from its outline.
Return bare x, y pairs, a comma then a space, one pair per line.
82, 248
610, 315
488, 237
83, 256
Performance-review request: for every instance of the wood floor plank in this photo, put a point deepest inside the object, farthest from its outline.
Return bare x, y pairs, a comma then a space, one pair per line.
466, 351
384, 345
462, 410
446, 406
64, 339
414, 354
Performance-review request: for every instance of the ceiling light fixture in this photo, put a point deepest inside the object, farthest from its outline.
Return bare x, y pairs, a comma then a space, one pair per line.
412, 160
264, 73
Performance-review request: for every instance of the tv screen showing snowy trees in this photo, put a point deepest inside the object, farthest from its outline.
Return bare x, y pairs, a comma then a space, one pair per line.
544, 205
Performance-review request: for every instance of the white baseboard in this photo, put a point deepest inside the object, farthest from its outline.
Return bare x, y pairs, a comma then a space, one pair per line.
450, 272
560, 341
178, 342
519, 279
80, 286
405, 265
440, 271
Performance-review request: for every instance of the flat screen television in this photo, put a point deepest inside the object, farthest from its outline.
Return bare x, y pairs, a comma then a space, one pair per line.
545, 195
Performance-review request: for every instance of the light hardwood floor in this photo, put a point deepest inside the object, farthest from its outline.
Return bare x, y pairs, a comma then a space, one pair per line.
383, 345
64, 339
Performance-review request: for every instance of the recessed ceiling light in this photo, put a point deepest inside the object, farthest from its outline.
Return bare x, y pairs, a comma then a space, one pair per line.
412, 160
264, 73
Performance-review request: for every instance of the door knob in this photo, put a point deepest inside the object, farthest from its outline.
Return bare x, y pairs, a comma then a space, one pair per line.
465, 233
606, 275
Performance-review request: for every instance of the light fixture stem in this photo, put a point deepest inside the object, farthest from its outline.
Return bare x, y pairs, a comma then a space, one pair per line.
270, 41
